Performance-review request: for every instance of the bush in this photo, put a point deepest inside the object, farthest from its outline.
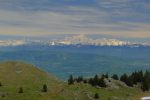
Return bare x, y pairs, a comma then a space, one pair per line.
45, 88
20, 90
0, 84
96, 96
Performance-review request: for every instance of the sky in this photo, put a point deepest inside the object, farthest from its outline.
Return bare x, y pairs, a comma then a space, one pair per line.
113, 18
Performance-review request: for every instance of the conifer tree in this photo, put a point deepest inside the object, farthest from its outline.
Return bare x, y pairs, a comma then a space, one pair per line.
79, 79
70, 80
124, 78
145, 85
102, 82
91, 82
129, 81
106, 75
115, 76
85, 81
95, 80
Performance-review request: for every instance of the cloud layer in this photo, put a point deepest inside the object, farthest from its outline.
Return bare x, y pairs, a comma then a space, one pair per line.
120, 18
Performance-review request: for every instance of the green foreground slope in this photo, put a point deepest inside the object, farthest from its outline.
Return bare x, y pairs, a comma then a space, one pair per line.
14, 75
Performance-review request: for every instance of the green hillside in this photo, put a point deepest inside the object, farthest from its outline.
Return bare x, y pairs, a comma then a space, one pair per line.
16, 75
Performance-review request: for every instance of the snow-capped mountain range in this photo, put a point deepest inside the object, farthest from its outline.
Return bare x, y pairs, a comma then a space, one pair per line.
74, 40
82, 39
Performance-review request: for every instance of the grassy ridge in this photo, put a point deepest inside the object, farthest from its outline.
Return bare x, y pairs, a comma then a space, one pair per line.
14, 75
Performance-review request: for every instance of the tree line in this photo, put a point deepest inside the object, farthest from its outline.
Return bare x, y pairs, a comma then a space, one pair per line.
143, 78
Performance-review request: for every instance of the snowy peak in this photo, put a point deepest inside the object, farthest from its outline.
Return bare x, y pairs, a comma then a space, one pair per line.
110, 42
82, 39
79, 39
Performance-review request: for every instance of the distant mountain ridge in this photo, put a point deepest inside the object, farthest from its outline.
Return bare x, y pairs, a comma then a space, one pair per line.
12, 42
74, 40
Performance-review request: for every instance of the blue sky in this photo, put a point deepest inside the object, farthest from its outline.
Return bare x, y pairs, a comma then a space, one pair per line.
114, 18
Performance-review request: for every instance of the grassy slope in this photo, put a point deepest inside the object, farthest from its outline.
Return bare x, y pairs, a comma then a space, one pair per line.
14, 75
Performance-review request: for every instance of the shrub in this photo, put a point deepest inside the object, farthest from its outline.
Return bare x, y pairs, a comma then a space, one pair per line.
45, 88
0, 84
96, 96
20, 90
